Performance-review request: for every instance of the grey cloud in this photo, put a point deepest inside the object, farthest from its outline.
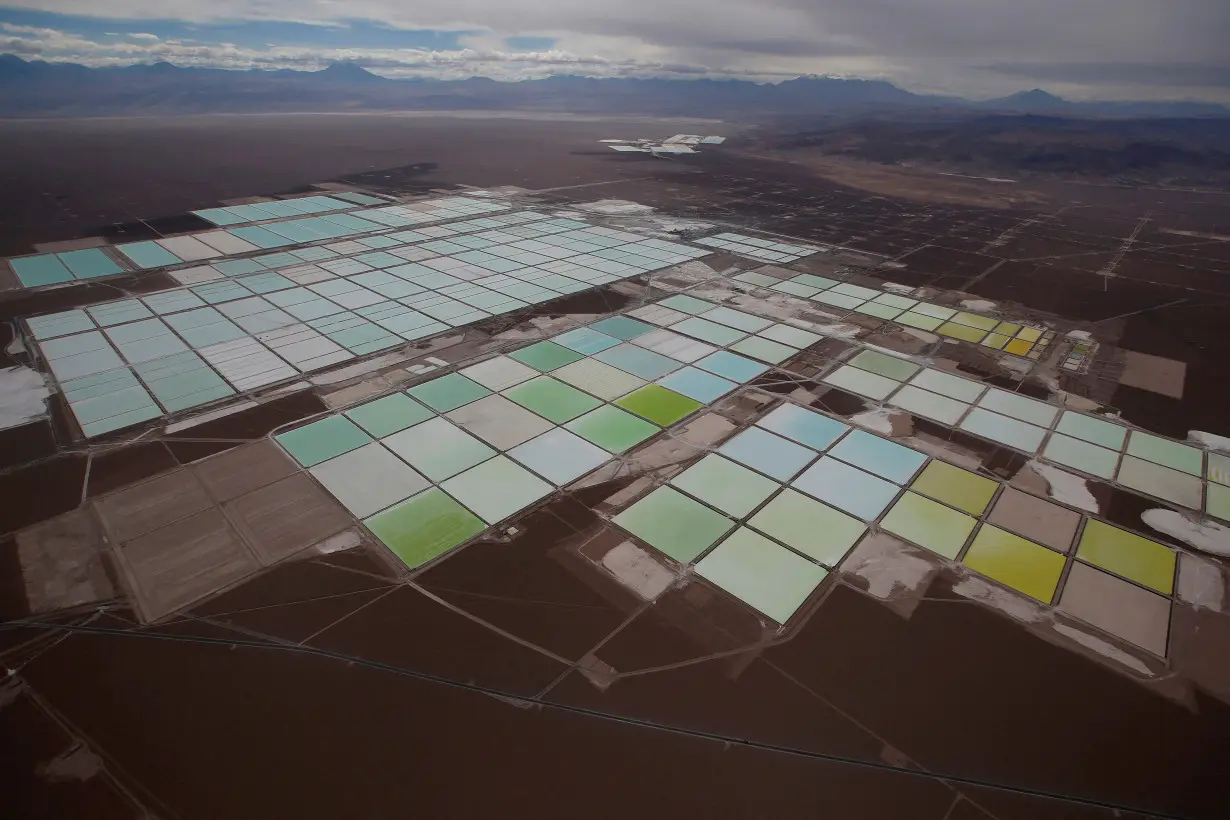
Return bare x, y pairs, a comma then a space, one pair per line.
57, 45
980, 47
788, 47
20, 46
1177, 75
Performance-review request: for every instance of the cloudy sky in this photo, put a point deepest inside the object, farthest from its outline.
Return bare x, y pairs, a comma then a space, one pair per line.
1081, 49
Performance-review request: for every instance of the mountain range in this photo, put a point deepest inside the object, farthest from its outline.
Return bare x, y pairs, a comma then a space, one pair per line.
37, 88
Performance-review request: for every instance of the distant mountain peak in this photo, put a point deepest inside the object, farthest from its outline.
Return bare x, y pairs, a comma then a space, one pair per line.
11, 64
1033, 100
347, 71
1038, 94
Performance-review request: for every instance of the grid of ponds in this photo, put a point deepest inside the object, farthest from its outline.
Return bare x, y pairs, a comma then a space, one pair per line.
429, 468
1094, 445
253, 322
988, 331
281, 208
435, 466
755, 248
58, 268
1097, 446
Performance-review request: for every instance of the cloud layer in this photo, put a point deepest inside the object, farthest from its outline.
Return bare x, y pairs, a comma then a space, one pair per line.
1143, 49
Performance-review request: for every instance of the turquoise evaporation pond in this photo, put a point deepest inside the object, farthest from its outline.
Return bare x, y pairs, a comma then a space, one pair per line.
238, 267
697, 384
148, 255
220, 217
279, 209
252, 213
586, 341
354, 223
879, 456
847, 488
772, 455
638, 361
805, 427
182, 380
315, 224
731, 366
89, 263
34, 271
59, 324
297, 231
260, 237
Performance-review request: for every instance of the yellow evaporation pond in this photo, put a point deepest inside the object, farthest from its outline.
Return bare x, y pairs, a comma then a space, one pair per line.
1017, 347
960, 488
1016, 562
1135, 558
963, 332
1030, 334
